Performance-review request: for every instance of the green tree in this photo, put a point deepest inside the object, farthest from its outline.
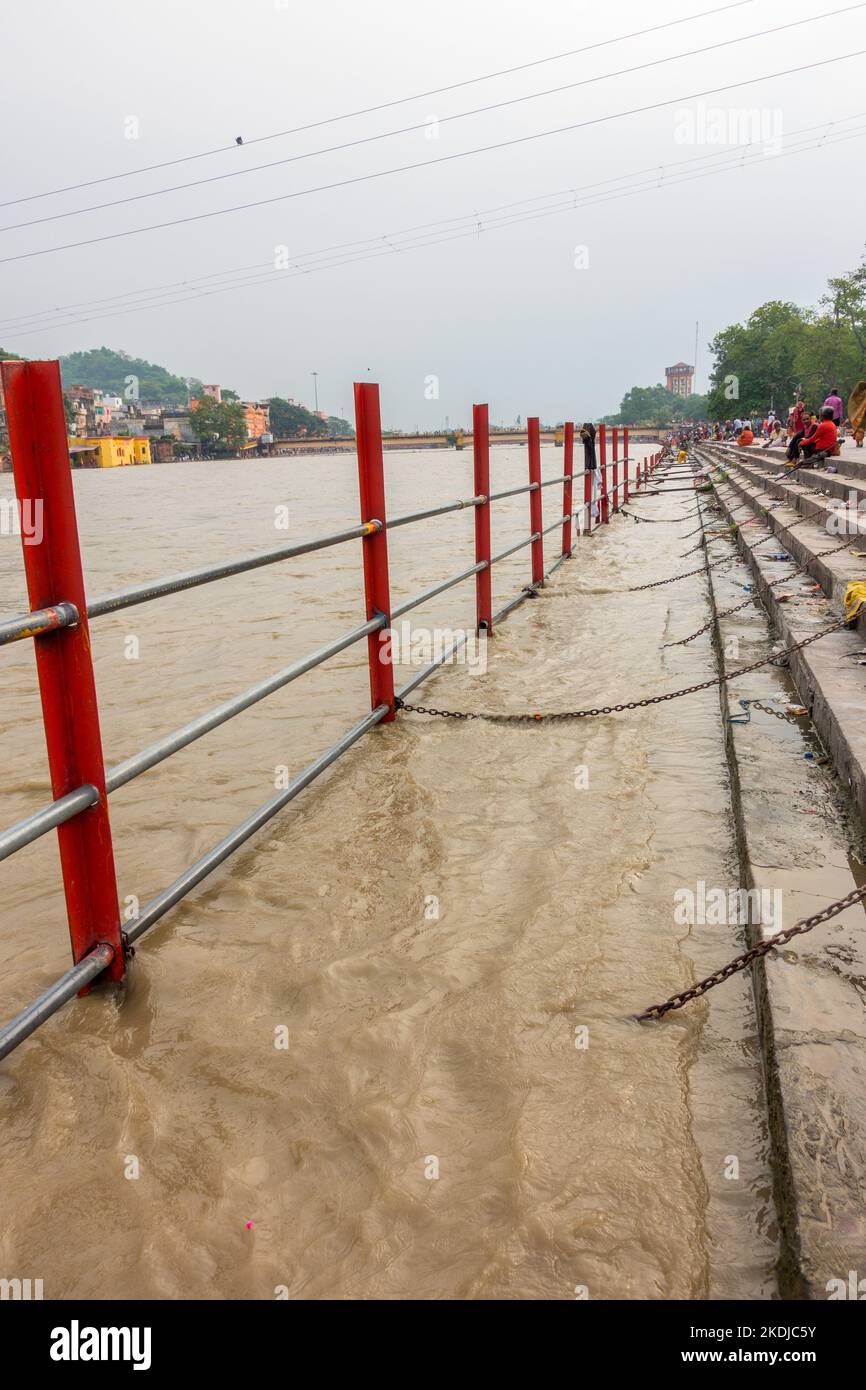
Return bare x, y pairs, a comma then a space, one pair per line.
656, 405
220, 425
290, 421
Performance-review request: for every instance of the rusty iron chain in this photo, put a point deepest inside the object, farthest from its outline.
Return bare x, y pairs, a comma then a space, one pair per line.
564, 715
776, 713
677, 1001
673, 579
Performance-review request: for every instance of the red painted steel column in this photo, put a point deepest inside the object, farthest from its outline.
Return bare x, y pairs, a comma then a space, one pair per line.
602, 457
535, 510
568, 471
615, 502
377, 588
43, 482
625, 463
481, 453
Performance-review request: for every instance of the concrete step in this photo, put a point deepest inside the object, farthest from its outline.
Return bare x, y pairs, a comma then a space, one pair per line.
851, 461
830, 683
812, 532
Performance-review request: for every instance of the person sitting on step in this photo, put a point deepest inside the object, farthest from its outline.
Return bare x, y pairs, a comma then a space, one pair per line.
824, 442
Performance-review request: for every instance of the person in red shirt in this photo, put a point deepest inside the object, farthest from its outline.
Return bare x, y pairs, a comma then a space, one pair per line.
825, 438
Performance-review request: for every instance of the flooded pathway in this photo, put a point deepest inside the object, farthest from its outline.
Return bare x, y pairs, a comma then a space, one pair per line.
394, 1034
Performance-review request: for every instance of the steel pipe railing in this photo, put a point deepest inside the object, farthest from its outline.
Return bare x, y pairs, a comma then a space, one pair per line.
188, 880
512, 549
416, 602
105, 952
24, 832
436, 511
73, 982
181, 738
191, 579
36, 623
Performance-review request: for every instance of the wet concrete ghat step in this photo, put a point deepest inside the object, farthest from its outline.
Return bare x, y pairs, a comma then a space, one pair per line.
830, 489
795, 830
807, 541
774, 458
831, 686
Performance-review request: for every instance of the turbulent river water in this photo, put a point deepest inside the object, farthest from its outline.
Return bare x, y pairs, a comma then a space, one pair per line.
387, 1050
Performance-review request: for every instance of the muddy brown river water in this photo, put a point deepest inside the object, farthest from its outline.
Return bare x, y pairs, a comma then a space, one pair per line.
386, 1051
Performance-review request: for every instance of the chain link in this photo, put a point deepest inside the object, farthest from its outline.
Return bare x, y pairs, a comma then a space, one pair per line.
563, 715
673, 579
677, 1001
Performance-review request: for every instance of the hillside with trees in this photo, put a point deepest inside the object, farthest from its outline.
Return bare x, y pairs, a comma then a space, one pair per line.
108, 370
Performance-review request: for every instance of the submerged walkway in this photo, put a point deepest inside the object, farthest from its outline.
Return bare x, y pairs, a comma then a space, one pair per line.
418, 1077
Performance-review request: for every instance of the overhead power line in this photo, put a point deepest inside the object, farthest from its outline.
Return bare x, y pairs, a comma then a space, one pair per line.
428, 163
381, 106
335, 259
659, 171
422, 125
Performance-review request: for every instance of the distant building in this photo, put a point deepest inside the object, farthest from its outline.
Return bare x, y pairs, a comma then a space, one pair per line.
680, 379
258, 418
108, 451
215, 391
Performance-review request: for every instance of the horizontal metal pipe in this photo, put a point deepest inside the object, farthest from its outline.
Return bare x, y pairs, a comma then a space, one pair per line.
54, 998
513, 492
436, 589
36, 623
190, 579
521, 545
428, 670
188, 880
513, 603
434, 511
220, 714
548, 482
556, 564
24, 832
560, 521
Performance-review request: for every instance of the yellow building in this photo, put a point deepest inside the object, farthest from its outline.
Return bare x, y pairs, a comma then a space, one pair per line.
108, 451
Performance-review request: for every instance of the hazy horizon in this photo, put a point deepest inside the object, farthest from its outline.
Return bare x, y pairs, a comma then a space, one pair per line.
555, 315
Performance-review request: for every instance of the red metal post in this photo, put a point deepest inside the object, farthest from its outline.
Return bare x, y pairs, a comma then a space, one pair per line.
535, 511
568, 471
615, 502
602, 456
481, 453
377, 588
64, 664
625, 463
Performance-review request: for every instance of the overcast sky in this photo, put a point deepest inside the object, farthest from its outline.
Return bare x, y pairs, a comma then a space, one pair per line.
554, 315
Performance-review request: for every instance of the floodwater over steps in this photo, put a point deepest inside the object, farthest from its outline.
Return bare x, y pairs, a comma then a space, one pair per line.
387, 1052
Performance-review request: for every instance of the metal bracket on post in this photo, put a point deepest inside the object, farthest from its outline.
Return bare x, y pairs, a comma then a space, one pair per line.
481, 457
377, 588
568, 471
43, 482
535, 512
